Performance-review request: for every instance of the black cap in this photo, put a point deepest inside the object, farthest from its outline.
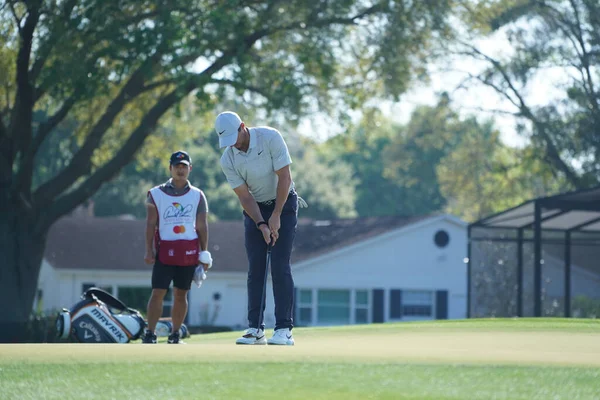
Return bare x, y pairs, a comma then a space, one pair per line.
180, 157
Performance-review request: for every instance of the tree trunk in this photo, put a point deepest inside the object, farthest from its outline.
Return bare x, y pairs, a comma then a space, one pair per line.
21, 253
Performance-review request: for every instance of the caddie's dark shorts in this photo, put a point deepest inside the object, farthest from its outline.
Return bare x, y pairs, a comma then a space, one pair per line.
163, 274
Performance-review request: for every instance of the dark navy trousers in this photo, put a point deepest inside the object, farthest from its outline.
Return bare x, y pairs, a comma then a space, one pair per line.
281, 271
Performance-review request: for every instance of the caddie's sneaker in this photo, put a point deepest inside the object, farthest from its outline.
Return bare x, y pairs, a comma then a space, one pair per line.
282, 337
252, 336
175, 339
149, 337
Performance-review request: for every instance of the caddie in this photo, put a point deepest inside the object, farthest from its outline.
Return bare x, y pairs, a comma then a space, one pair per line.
176, 243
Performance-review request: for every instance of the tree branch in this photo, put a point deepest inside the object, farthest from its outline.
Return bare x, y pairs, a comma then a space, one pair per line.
585, 62
3, 131
25, 173
240, 85
151, 86
593, 13
67, 202
573, 33
15, 16
20, 128
47, 126
5, 157
553, 153
81, 161
55, 37
50, 191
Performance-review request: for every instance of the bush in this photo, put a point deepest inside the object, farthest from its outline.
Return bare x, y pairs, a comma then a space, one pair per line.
41, 328
585, 307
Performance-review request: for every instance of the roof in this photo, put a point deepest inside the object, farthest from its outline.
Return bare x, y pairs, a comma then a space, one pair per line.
315, 238
571, 211
117, 244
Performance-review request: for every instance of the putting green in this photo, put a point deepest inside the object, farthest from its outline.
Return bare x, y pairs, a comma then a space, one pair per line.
528, 347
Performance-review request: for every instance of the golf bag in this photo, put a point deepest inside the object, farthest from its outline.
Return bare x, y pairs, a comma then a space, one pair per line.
100, 318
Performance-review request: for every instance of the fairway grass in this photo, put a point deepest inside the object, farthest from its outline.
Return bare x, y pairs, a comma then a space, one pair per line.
473, 359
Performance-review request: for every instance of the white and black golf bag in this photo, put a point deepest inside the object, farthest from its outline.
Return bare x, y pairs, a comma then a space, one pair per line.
100, 318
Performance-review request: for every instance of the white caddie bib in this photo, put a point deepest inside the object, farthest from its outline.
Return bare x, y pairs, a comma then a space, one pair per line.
177, 239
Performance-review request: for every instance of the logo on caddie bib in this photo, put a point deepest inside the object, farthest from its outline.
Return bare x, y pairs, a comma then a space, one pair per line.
177, 210
179, 229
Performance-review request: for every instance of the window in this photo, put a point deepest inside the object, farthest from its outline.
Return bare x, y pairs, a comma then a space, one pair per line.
135, 297
305, 307
333, 307
361, 307
417, 304
441, 238
86, 286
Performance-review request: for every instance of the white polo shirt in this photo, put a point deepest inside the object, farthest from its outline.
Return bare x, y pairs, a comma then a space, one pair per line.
256, 168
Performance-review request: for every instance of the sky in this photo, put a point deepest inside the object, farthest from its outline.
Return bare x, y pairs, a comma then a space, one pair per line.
478, 100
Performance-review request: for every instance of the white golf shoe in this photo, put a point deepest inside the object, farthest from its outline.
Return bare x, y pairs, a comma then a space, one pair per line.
282, 337
252, 336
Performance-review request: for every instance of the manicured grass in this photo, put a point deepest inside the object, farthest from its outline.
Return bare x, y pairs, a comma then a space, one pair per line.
243, 380
476, 359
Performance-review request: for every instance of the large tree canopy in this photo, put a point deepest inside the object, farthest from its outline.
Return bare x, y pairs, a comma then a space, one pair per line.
112, 69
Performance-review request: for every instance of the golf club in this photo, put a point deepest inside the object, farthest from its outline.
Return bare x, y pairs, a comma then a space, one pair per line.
263, 299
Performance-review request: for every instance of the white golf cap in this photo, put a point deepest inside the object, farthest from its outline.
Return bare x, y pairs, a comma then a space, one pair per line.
226, 126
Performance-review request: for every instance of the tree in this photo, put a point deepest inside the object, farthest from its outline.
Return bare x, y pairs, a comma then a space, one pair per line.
115, 68
549, 38
395, 165
415, 151
328, 187
482, 175
361, 148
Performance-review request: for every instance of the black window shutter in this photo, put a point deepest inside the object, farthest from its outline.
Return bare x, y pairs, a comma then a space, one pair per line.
441, 304
86, 286
378, 305
396, 303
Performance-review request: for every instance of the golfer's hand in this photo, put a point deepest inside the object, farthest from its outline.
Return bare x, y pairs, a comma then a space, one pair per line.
149, 257
274, 225
205, 266
266, 233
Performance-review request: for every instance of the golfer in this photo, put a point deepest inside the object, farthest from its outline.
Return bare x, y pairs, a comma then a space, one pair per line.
176, 222
256, 163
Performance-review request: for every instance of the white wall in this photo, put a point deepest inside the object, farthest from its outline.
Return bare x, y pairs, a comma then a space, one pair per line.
403, 259
63, 288
232, 304
48, 283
